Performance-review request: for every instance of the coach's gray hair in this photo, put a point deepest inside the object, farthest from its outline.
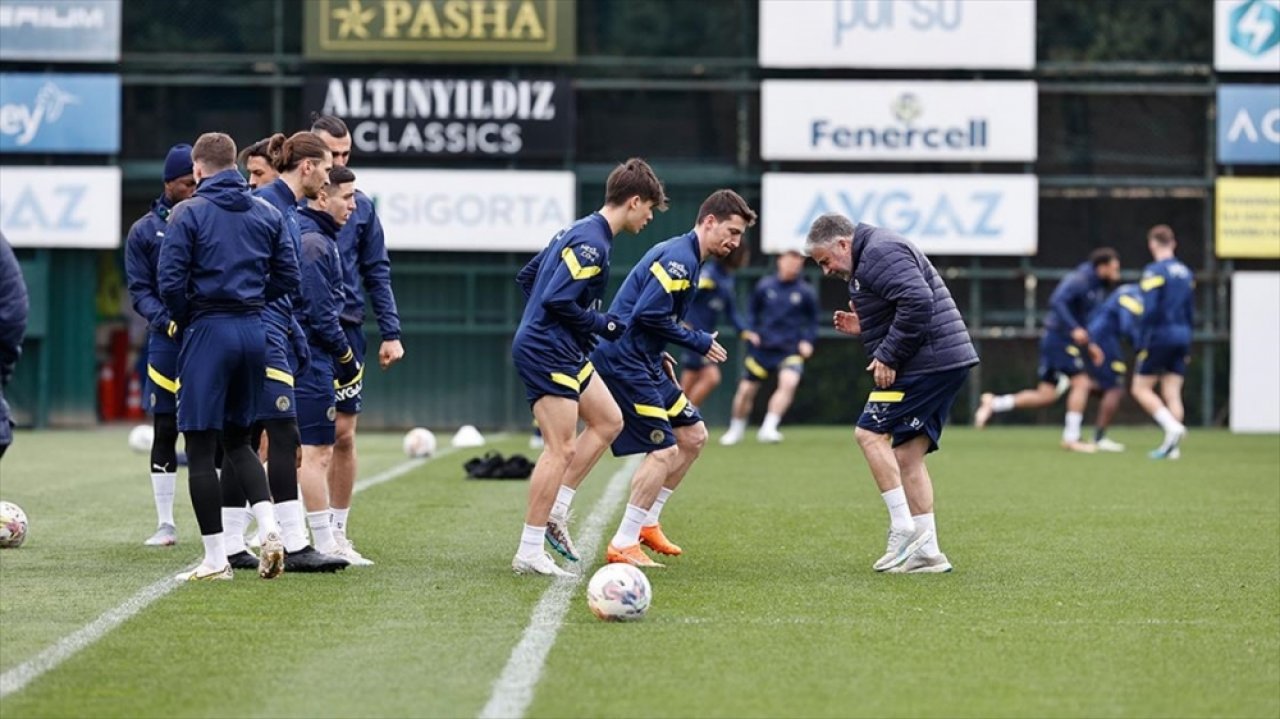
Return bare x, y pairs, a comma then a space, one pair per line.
827, 229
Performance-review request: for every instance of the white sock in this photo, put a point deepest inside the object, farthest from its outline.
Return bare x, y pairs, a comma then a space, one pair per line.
899, 513
926, 521
322, 527
215, 552
656, 510
531, 539
162, 484
1002, 403
737, 426
293, 527
234, 521
564, 499
1071, 427
1165, 419
340, 519
265, 513
628, 533
771, 422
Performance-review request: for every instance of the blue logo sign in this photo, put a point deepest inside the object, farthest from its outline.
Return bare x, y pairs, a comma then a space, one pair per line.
1249, 124
1255, 27
60, 113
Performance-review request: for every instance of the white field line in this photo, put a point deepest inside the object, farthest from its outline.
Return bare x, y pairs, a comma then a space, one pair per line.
514, 688
20, 676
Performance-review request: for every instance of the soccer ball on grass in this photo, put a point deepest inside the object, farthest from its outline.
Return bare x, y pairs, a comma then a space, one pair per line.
141, 437
419, 442
619, 593
13, 526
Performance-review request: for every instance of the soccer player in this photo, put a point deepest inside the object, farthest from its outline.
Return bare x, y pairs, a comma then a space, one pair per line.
658, 419
13, 325
363, 253
1164, 345
784, 315
302, 163
1117, 319
333, 362
1062, 347
225, 255
257, 163
715, 296
563, 284
142, 251
920, 356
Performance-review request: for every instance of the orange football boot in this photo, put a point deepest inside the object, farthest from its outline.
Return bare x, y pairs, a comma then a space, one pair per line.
653, 538
632, 555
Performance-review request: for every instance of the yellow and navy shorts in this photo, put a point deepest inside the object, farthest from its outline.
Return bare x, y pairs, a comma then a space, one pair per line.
277, 399
1110, 374
761, 364
651, 407
913, 405
220, 367
561, 379
1059, 357
1164, 359
162, 374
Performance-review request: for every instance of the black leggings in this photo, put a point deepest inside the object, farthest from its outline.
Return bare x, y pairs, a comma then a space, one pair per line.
239, 465
282, 469
164, 448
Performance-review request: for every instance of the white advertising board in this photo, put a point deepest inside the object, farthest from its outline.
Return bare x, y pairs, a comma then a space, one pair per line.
1246, 35
60, 207
1255, 352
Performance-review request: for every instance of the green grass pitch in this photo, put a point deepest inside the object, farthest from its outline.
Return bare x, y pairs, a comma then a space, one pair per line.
1098, 586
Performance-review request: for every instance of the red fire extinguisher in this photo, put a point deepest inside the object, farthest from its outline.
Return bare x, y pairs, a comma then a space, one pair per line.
133, 402
108, 391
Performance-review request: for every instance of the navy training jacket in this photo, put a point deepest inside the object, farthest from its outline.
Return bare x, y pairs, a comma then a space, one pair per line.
320, 295
141, 262
362, 249
1074, 301
13, 312
715, 295
909, 320
225, 251
1168, 297
784, 313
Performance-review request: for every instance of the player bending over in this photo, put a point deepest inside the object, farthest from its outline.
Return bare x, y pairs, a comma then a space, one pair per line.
920, 356
715, 296
1164, 347
564, 284
1117, 319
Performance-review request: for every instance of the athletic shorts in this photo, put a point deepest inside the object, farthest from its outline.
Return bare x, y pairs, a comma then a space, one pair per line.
559, 379
220, 369
692, 361
651, 407
913, 405
1164, 359
277, 399
1059, 357
350, 400
162, 374
761, 364
316, 400
1110, 374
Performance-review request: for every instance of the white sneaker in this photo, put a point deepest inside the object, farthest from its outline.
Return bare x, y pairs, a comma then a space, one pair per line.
1175, 453
202, 573
769, 436
730, 438
921, 563
541, 564
1106, 444
1170, 444
344, 549
166, 536
901, 545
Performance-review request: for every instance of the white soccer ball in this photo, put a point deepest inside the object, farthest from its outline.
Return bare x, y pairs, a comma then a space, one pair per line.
419, 442
13, 526
140, 438
619, 593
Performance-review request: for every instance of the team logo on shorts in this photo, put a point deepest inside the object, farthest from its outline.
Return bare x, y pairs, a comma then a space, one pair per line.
282, 403
331, 413
153, 399
656, 436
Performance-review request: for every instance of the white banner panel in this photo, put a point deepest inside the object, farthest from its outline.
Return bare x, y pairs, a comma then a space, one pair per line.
895, 120
470, 210
1246, 35
941, 214
1255, 352
981, 34
60, 207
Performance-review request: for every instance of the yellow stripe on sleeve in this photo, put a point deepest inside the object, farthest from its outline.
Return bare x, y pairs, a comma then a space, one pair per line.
1119, 367
1132, 304
706, 283
1152, 282
665, 280
576, 270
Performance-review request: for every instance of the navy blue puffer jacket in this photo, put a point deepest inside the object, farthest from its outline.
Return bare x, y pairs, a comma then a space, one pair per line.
909, 320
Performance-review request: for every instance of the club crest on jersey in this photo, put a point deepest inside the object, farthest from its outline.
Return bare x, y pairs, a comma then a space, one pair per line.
589, 254
282, 403
677, 271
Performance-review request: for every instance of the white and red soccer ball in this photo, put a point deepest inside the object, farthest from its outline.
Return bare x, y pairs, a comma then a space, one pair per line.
13, 526
619, 593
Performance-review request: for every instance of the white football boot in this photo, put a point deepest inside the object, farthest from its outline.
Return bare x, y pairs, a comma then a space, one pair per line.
166, 536
1106, 444
542, 564
921, 563
901, 545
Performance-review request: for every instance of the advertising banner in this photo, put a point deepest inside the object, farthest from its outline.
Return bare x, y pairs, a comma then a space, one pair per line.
450, 117
943, 34
941, 214
850, 120
1255, 352
1246, 35
60, 113
1249, 124
1247, 217
470, 210
60, 30
60, 207
454, 31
